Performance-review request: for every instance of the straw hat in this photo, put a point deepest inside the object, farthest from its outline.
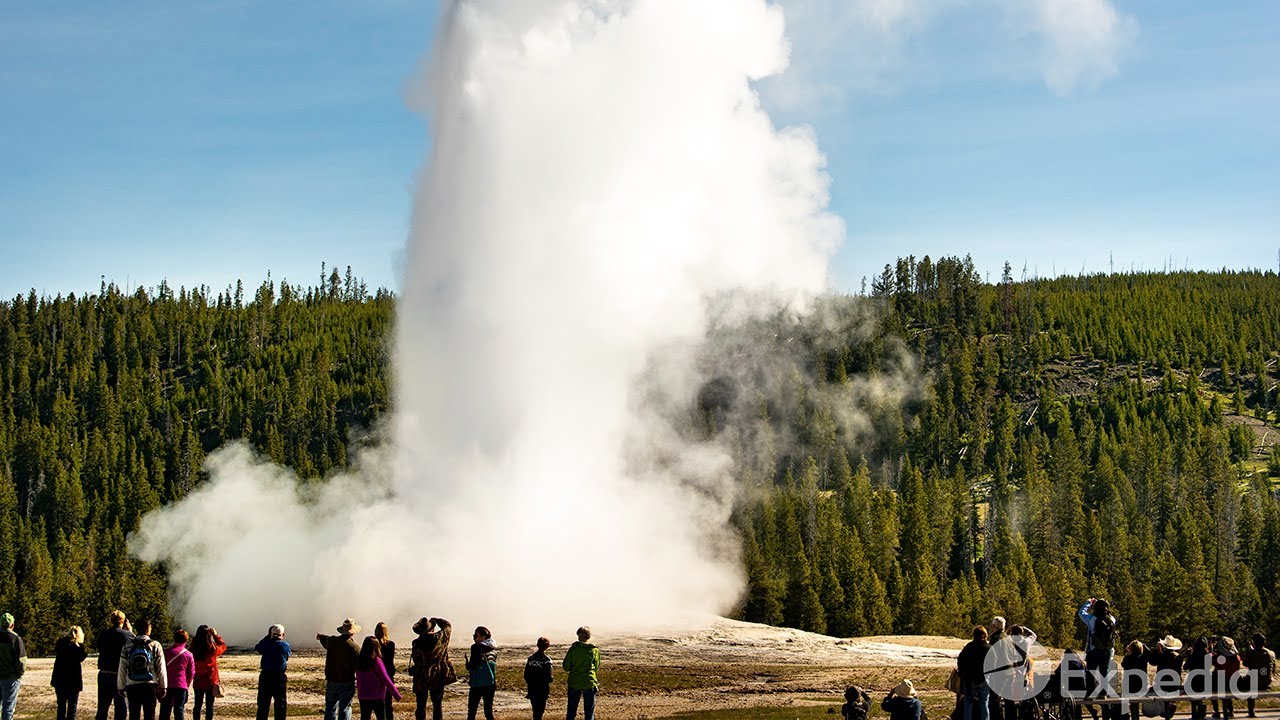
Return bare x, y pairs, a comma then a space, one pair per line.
905, 689
1171, 643
349, 627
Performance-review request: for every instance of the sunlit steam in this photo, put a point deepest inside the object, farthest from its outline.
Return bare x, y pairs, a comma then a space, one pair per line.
601, 170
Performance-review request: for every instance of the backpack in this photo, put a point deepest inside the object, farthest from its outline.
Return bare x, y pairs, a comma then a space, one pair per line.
483, 675
1104, 633
138, 663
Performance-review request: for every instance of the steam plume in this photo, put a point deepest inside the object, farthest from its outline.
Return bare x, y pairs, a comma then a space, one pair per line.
601, 171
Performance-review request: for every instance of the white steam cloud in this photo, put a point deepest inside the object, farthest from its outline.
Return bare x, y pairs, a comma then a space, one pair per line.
858, 46
601, 172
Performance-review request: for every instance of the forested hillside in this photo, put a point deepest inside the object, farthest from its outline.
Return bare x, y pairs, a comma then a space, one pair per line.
1080, 436
109, 402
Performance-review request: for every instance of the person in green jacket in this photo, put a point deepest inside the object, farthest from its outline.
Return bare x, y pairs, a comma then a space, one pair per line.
581, 663
13, 663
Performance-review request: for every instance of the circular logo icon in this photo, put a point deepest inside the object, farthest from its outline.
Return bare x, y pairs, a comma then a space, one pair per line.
1017, 668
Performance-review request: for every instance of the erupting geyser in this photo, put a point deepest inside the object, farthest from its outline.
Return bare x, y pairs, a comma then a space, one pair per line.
601, 170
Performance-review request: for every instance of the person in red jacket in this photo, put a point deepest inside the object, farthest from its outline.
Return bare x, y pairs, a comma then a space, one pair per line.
206, 647
1226, 665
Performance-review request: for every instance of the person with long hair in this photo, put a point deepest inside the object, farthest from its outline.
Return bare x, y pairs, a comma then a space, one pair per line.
373, 684
388, 647
68, 676
482, 666
206, 647
430, 666
181, 668
1198, 667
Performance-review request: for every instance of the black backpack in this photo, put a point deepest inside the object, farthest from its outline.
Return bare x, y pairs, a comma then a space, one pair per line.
138, 663
1104, 632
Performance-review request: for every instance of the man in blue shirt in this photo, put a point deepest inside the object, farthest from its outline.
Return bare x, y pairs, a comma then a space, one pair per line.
272, 681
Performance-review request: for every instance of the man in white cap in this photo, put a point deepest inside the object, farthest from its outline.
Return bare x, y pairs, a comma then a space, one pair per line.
273, 682
341, 652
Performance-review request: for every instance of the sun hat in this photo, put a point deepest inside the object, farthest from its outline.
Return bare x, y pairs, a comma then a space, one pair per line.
349, 627
1171, 643
423, 625
905, 689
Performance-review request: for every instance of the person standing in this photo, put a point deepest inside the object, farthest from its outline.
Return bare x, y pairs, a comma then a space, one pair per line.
373, 683
995, 704
1167, 659
1100, 648
537, 678
13, 664
180, 666
109, 643
68, 672
582, 662
1199, 666
1262, 665
1226, 665
857, 704
141, 674
430, 666
902, 703
340, 657
388, 649
482, 669
206, 647
273, 679
973, 681
1134, 676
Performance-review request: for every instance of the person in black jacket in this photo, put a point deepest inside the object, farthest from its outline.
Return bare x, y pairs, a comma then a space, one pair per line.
68, 679
973, 681
537, 678
1168, 679
857, 704
110, 644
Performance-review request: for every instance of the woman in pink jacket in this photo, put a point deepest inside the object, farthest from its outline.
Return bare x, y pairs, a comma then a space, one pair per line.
372, 681
181, 668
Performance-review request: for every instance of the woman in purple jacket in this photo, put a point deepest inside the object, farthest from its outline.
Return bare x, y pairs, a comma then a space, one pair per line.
180, 666
372, 681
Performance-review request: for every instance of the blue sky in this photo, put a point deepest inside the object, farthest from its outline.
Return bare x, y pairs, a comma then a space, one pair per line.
201, 142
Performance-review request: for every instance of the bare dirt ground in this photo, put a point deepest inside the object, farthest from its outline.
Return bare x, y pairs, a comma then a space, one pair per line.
727, 666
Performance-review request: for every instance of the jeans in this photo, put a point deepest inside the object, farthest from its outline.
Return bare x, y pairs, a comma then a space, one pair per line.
977, 698
68, 701
204, 698
337, 700
588, 698
436, 696
273, 685
175, 702
9, 697
475, 696
142, 701
538, 700
108, 695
